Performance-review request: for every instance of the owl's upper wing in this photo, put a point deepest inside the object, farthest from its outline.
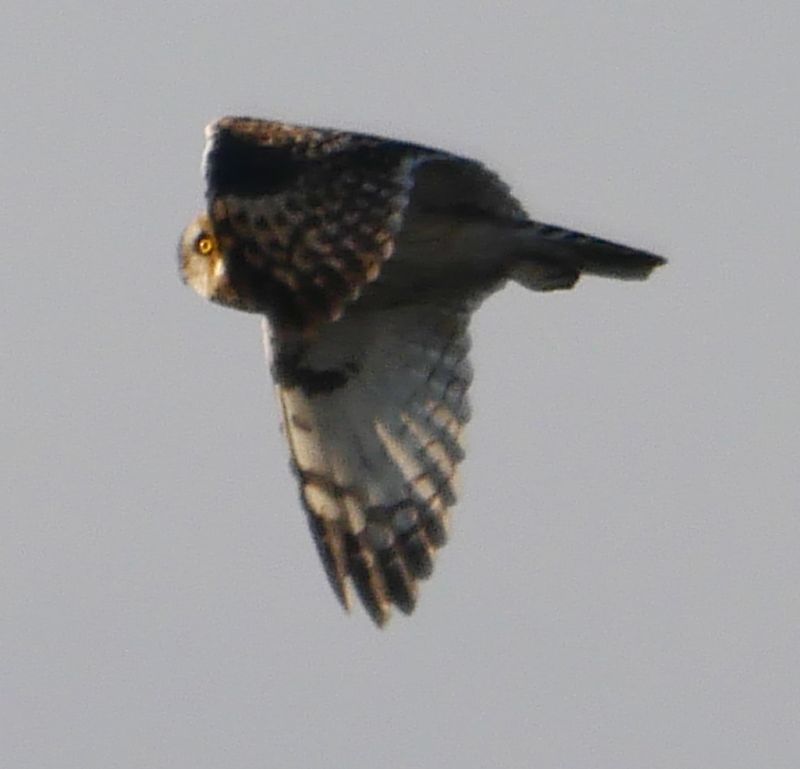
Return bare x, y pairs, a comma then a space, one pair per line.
307, 217
374, 410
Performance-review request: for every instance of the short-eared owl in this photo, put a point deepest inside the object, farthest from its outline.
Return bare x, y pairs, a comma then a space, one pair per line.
367, 257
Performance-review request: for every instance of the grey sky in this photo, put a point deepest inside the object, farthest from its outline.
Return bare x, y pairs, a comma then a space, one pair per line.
621, 587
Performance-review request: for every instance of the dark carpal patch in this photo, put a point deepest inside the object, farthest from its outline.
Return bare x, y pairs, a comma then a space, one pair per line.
237, 165
288, 372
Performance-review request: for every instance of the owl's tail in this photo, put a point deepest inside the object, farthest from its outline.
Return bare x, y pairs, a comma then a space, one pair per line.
552, 257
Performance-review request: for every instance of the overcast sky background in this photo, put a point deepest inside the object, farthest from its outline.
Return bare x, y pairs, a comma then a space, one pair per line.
621, 587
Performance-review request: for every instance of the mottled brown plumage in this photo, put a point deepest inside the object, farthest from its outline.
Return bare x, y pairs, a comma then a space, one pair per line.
368, 256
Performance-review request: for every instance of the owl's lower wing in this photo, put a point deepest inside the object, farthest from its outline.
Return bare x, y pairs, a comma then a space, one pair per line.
374, 411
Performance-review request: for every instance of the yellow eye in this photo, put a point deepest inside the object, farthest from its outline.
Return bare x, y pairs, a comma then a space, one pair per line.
204, 245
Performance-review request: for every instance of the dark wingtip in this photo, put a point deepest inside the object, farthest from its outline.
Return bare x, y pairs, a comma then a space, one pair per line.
653, 260
594, 255
624, 264
400, 585
367, 578
329, 547
641, 268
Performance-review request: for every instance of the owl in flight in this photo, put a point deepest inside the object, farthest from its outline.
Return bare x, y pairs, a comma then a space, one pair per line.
367, 257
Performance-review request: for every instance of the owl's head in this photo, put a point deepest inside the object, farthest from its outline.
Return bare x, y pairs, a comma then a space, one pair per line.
200, 261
